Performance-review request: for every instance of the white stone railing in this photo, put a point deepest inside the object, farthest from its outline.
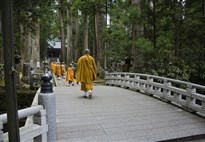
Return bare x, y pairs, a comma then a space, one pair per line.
41, 118
188, 96
36, 131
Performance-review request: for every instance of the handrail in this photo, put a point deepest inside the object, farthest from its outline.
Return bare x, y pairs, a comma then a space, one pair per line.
187, 95
43, 116
37, 130
23, 113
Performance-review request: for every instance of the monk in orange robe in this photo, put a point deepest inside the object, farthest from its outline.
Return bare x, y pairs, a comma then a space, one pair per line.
70, 75
63, 70
86, 73
53, 67
58, 70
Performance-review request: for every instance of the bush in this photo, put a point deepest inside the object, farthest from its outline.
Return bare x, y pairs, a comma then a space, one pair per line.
24, 98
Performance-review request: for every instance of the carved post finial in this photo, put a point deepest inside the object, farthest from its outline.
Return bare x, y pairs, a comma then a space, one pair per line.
46, 85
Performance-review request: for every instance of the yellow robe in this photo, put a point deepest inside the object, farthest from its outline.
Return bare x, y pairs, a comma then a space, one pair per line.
53, 67
70, 74
58, 70
63, 70
86, 72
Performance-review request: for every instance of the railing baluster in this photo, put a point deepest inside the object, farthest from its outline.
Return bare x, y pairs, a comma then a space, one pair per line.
137, 78
189, 99
167, 89
149, 89
1, 132
40, 119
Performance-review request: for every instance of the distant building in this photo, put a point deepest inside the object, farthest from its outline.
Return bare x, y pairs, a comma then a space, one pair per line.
54, 51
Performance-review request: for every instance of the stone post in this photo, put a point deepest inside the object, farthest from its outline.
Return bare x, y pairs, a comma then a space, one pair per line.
189, 100
149, 87
1, 132
40, 119
47, 99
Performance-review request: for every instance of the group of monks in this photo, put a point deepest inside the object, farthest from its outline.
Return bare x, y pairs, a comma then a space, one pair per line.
86, 73
61, 72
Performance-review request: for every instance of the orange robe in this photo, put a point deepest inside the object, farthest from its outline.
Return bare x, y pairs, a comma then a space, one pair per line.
70, 74
53, 67
63, 70
86, 72
58, 70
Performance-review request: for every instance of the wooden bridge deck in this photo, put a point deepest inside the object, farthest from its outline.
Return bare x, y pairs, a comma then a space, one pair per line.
117, 114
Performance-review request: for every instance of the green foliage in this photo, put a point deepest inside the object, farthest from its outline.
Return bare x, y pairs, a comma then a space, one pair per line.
179, 32
24, 98
177, 69
144, 44
49, 25
165, 41
27, 14
123, 16
165, 64
197, 74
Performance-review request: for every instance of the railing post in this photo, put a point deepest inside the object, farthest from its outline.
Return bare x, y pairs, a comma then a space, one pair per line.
40, 119
107, 82
114, 80
190, 101
137, 83
149, 88
125, 82
47, 99
1, 132
166, 92
119, 80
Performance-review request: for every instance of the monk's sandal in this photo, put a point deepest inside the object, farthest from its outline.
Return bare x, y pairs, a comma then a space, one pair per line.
90, 95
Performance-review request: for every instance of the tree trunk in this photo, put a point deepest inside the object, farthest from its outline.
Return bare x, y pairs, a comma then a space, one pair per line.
97, 42
75, 35
203, 6
99, 20
26, 48
177, 28
154, 24
62, 58
85, 30
137, 30
69, 36
35, 49
1, 46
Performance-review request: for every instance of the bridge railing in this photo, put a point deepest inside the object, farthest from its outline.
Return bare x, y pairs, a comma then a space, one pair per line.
42, 116
187, 95
36, 131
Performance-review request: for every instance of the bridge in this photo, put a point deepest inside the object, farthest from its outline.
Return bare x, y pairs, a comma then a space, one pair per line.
129, 107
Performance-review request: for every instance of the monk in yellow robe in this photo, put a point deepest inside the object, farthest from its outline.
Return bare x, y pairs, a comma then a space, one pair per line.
63, 70
86, 73
58, 70
70, 75
53, 67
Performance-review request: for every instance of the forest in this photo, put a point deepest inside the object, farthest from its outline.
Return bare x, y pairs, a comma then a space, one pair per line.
158, 37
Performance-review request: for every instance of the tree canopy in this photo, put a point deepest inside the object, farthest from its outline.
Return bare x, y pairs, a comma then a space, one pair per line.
160, 37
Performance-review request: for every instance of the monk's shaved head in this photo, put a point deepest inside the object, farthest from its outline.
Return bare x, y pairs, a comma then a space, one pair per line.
87, 51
